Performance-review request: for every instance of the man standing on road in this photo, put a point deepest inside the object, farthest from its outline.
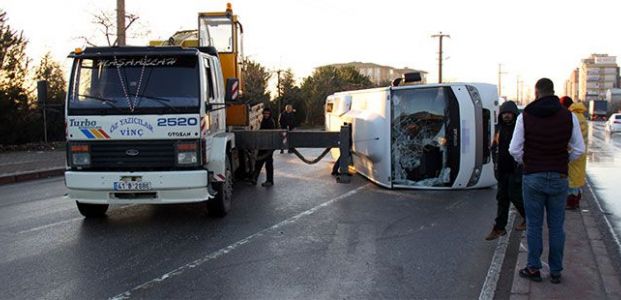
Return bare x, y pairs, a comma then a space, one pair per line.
545, 139
507, 171
287, 119
265, 156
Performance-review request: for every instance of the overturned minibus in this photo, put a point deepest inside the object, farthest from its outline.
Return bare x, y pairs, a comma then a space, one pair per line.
430, 136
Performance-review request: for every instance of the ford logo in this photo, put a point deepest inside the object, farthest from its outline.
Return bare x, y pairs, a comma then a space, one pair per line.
132, 152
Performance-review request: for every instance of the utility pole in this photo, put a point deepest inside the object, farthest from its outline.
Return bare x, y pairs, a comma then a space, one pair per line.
279, 93
440, 36
517, 90
120, 22
500, 73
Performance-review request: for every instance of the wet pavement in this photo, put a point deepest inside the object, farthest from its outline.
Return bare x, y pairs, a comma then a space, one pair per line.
306, 237
604, 171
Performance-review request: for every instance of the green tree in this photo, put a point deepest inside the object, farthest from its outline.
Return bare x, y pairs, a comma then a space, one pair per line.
325, 81
14, 106
255, 78
50, 70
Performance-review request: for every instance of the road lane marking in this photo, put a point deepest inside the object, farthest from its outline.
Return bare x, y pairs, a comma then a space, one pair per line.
493, 274
223, 251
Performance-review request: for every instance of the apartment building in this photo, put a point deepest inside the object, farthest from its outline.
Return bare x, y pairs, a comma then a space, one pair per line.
381, 74
571, 84
597, 74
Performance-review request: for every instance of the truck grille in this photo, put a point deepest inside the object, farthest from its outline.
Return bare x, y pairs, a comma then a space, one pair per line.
133, 155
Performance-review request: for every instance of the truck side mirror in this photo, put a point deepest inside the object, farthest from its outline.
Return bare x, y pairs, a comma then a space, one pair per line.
42, 92
232, 89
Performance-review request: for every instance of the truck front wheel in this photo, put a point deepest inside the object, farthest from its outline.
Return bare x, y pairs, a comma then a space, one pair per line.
220, 205
92, 210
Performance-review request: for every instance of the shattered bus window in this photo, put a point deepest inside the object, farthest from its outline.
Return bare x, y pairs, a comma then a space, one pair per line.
419, 137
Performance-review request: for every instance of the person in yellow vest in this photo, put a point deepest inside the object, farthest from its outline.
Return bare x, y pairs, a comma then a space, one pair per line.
577, 168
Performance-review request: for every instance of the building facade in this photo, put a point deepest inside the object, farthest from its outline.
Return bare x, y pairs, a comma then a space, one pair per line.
597, 74
379, 74
571, 84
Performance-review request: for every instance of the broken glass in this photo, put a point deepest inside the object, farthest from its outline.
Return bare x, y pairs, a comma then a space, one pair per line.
420, 153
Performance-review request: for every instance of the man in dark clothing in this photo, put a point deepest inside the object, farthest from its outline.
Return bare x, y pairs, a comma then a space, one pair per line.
546, 138
287, 119
508, 172
265, 156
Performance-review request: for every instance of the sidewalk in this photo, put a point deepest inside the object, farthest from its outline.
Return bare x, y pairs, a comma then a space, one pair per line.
588, 272
28, 165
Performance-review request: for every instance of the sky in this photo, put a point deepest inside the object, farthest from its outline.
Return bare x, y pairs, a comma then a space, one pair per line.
530, 38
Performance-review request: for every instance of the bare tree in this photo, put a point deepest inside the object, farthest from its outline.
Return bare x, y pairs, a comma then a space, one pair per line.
105, 23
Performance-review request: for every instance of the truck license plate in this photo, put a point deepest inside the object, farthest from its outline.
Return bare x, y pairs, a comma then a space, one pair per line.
132, 186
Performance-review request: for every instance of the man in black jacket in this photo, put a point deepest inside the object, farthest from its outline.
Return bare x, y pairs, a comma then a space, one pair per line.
265, 156
287, 119
508, 172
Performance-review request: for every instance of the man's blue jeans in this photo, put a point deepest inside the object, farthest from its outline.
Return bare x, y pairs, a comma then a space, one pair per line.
546, 191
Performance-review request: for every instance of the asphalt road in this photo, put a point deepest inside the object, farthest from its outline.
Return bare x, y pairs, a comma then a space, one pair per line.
306, 237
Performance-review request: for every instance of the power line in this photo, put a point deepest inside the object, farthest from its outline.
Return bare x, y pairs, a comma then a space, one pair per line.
440, 36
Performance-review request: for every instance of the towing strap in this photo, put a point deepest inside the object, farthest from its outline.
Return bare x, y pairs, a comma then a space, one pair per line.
310, 162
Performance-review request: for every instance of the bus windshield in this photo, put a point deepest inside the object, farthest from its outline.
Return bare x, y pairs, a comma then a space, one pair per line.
423, 150
134, 85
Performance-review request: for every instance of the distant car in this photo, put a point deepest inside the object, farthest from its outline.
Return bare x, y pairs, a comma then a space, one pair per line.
614, 123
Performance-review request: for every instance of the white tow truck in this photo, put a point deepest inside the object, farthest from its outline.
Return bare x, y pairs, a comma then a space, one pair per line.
161, 124
147, 125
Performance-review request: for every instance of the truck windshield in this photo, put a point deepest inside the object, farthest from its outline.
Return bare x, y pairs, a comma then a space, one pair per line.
134, 85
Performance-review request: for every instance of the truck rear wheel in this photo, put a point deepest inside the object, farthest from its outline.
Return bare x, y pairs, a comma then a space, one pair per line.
220, 205
92, 210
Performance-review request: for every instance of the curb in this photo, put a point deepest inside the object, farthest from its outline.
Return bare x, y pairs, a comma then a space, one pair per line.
31, 175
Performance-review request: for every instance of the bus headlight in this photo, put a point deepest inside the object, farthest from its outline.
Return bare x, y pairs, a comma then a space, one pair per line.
474, 178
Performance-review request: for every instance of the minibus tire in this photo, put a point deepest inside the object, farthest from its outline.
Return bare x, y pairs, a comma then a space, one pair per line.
92, 210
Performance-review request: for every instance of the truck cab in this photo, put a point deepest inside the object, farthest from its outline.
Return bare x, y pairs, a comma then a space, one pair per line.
147, 125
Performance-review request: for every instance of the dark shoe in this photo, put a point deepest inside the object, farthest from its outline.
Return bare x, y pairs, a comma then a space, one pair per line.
253, 181
572, 202
281, 151
532, 275
555, 278
496, 233
267, 184
521, 226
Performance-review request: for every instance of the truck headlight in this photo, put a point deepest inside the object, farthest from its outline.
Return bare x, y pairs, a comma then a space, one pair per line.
80, 155
187, 154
